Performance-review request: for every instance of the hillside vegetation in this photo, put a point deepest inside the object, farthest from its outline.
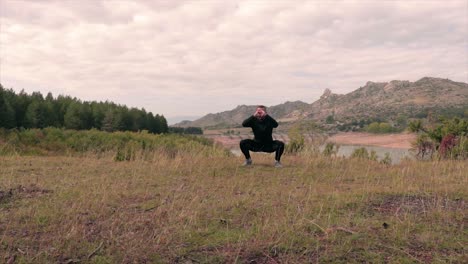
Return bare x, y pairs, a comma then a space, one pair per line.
123, 145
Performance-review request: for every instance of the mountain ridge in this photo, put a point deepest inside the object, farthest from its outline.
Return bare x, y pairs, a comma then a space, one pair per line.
374, 100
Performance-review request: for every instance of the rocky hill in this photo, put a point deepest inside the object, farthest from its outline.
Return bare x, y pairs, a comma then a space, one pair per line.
373, 101
235, 116
387, 100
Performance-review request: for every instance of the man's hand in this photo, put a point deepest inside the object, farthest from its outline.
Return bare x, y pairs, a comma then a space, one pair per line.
260, 113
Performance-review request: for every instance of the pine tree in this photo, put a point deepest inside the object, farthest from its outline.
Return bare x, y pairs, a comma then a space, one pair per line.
164, 126
108, 121
7, 113
72, 118
35, 116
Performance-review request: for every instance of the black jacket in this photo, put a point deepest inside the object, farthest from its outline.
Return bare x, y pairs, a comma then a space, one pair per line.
262, 129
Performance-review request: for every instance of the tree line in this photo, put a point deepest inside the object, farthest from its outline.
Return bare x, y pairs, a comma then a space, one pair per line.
22, 110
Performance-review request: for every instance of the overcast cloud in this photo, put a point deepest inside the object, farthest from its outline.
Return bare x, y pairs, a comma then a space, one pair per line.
192, 58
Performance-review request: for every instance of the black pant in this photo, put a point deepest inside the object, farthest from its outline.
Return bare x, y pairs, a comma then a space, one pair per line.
252, 145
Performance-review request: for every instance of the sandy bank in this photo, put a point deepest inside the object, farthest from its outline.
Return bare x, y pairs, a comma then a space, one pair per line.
402, 140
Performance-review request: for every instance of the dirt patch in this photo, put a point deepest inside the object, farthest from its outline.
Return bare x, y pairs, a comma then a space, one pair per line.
5, 196
31, 191
414, 204
228, 254
260, 258
421, 253
402, 141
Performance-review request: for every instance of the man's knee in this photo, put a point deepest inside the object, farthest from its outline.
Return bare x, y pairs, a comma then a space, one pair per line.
244, 142
279, 144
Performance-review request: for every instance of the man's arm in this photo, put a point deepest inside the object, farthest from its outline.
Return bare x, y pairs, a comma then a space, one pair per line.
273, 122
248, 121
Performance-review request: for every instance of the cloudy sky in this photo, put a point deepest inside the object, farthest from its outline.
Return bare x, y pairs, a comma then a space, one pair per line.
191, 58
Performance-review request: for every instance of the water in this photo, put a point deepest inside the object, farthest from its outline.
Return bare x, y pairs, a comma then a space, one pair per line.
396, 154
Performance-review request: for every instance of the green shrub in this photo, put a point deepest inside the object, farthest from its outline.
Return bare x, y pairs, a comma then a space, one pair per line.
296, 140
387, 160
382, 127
373, 155
330, 149
435, 138
360, 153
363, 153
296, 135
373, 128
460, 150
295, 145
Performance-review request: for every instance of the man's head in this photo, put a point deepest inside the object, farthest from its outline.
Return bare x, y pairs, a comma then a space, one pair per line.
260, 112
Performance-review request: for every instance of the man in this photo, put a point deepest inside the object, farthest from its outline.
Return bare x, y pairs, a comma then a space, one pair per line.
262, 126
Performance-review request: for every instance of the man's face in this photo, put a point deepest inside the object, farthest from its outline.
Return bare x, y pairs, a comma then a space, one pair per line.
260, 112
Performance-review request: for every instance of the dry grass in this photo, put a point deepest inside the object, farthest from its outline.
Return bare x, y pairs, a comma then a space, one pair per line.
193, 209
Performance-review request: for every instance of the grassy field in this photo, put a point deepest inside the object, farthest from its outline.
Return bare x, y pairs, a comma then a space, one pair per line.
197, 208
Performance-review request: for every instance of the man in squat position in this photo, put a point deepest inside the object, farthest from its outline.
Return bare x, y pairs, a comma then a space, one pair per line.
262, 126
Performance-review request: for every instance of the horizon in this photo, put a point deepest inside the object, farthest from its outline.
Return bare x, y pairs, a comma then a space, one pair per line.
211, 57
172, 120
